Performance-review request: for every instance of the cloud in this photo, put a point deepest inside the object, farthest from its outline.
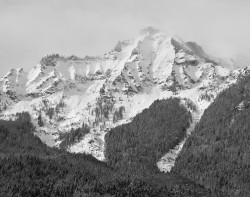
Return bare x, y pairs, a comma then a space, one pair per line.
31, 29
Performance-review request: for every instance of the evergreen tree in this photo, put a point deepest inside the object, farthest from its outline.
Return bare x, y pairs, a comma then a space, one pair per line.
40, 121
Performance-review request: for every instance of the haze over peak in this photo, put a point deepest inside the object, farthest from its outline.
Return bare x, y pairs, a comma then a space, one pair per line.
149, 30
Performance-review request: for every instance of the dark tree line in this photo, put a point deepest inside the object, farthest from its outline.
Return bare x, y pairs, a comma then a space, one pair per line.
118, 114
29, 168
104, 107
217, 154
30, 176
138, 145
18, 136
73, 136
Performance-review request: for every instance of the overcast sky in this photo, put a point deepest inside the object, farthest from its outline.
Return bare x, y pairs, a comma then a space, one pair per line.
30, 29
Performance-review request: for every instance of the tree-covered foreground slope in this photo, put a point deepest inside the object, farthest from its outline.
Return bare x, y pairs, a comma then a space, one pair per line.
138, 145
29, 168
217, 154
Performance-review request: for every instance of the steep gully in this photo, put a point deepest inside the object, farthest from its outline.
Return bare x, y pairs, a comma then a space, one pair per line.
166, 163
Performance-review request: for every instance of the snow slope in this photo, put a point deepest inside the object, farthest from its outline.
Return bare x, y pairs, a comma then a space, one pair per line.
91, 90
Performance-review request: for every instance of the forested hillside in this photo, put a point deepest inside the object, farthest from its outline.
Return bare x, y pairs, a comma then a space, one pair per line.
28, 168
217, 154
17, 137
138, 145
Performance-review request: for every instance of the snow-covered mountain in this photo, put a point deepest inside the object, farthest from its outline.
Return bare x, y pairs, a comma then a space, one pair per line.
65, 92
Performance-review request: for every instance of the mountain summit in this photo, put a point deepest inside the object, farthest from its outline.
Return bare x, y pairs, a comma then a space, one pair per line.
65, 93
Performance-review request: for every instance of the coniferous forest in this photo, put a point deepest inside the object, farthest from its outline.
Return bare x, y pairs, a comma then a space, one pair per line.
217, 155
138, 145
29, 168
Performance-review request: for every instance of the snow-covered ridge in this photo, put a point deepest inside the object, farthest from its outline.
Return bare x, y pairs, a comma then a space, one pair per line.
64, 92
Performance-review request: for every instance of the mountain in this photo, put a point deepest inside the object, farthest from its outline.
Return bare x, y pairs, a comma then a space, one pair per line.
62, 94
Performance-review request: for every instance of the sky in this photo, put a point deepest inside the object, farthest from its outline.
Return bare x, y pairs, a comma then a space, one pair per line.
31, 29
